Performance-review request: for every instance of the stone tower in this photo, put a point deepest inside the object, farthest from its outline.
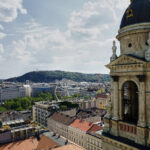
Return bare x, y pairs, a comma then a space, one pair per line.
127, 122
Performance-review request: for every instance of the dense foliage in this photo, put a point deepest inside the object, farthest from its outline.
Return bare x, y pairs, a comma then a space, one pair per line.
50, 76
24, 103
67, 105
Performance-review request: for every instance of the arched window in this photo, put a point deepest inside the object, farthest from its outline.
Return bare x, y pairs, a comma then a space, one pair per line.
130, 102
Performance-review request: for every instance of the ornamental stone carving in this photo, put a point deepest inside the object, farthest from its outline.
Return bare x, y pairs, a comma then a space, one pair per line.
108, 108
114, 48
147, 53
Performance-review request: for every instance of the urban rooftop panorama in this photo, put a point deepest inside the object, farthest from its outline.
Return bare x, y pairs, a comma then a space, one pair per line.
75, 75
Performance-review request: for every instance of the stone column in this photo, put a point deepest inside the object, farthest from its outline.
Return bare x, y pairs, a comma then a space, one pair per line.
142, 120
120, 105
142, 106
115, 98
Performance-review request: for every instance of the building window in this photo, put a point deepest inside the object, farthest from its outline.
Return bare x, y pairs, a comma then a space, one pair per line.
130, 102
130, 45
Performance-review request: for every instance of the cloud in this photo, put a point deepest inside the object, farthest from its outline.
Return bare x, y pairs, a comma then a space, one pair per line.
2, 35
1, 27
96, 18
1, 48
9, 10
84, 46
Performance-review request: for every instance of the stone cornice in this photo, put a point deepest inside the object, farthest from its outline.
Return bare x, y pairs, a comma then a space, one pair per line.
128, 63
133, 29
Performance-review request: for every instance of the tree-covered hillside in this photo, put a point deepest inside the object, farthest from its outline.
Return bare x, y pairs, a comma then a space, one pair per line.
50, 76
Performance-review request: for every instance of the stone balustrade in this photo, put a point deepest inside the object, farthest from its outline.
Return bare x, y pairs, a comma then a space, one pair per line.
125, 127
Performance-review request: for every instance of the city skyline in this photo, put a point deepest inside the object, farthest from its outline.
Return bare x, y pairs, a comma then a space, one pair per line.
57, 35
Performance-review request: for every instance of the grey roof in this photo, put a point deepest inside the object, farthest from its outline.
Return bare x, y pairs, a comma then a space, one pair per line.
56, 138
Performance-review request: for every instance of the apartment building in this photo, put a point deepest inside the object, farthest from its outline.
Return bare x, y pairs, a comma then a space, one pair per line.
42, 110
77, 132
94, 141
15, 130
83, 133
59, 122
101, 101
11, 92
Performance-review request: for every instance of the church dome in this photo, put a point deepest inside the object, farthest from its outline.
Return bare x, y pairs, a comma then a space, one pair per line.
137, 12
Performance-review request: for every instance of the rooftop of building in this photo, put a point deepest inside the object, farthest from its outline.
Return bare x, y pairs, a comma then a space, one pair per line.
18, 121
95, 128
106, 95
46, 104
91, 112
51, 140
62, 118
28, 144
12, 112
69, 147
81, 125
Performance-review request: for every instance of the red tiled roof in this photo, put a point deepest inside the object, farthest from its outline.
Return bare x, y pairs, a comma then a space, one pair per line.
81, 125
46, 143
102, 96
95, 128
28, 144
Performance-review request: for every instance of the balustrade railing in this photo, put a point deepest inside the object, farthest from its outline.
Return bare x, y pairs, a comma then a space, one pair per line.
127, 127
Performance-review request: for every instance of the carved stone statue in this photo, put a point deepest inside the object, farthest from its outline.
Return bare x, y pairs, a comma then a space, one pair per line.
114, 48
147, 53
108, 108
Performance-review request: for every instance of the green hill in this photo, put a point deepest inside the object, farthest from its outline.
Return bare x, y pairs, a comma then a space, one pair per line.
50, 76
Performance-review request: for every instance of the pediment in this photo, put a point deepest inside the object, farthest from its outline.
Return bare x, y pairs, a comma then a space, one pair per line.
125, 60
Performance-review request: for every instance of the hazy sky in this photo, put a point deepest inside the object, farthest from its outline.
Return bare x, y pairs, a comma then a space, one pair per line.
70, 35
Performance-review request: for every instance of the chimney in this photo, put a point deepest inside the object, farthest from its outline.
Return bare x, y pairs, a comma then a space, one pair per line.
66, 142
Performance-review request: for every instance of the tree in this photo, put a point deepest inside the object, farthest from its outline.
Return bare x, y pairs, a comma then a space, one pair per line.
63, 107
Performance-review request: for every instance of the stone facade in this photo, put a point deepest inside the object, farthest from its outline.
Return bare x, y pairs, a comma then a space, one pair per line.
77, 136
94, 142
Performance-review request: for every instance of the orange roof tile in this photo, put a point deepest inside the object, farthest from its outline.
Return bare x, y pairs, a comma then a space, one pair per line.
28, 144
46, 143
81, 125
95, 128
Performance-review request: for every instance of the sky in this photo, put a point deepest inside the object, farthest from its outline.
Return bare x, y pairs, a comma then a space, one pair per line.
69, 35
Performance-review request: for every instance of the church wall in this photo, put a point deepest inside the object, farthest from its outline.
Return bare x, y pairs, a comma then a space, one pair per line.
134, 43
129, 119
148, 98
